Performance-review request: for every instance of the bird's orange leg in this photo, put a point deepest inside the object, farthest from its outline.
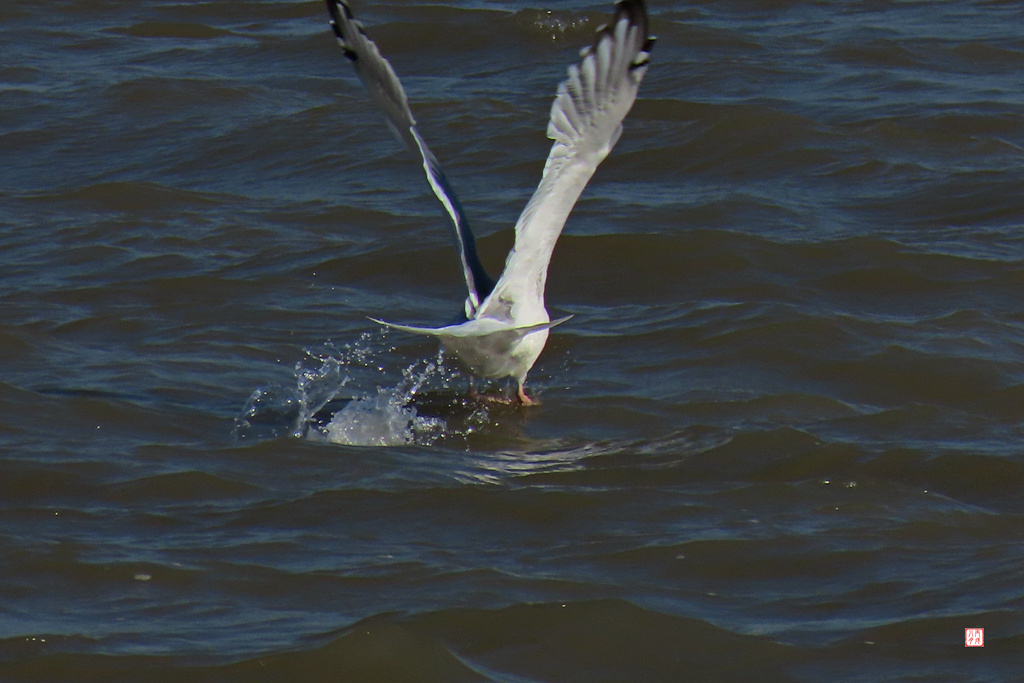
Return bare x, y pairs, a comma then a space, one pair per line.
524, 399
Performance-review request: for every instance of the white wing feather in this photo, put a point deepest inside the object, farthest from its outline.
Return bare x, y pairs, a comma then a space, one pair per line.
586, 121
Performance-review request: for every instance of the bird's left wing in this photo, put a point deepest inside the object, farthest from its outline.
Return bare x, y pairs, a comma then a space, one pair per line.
386, 91
586, 121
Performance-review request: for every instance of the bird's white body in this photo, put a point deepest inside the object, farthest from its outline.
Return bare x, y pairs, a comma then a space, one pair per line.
488, 347
507, 322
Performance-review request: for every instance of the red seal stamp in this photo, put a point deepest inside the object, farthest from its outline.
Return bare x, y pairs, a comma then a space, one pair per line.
974, 637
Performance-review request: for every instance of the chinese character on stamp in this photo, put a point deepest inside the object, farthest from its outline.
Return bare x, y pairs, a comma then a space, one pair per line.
974, 637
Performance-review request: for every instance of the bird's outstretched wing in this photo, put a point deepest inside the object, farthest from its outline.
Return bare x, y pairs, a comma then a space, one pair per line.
387, 92
586, 121
482, 327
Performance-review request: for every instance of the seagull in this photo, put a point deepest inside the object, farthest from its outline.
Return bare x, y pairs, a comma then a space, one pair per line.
506, 323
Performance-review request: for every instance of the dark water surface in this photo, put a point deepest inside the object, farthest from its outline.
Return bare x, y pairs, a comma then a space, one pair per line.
781, 439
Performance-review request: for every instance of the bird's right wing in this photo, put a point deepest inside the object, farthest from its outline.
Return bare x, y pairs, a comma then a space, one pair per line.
386, 91
586, 121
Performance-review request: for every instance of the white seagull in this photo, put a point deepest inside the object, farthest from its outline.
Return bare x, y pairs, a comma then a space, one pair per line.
506, 323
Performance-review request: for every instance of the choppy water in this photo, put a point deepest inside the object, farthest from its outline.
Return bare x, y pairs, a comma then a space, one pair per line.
779, 440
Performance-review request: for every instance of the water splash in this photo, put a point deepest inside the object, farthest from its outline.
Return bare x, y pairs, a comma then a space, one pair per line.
329, 403
554, 24
385, 418
316, 388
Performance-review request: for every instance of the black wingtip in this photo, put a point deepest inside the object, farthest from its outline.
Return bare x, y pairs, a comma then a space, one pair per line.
634, 12
336, 8
332, 9
644, 58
